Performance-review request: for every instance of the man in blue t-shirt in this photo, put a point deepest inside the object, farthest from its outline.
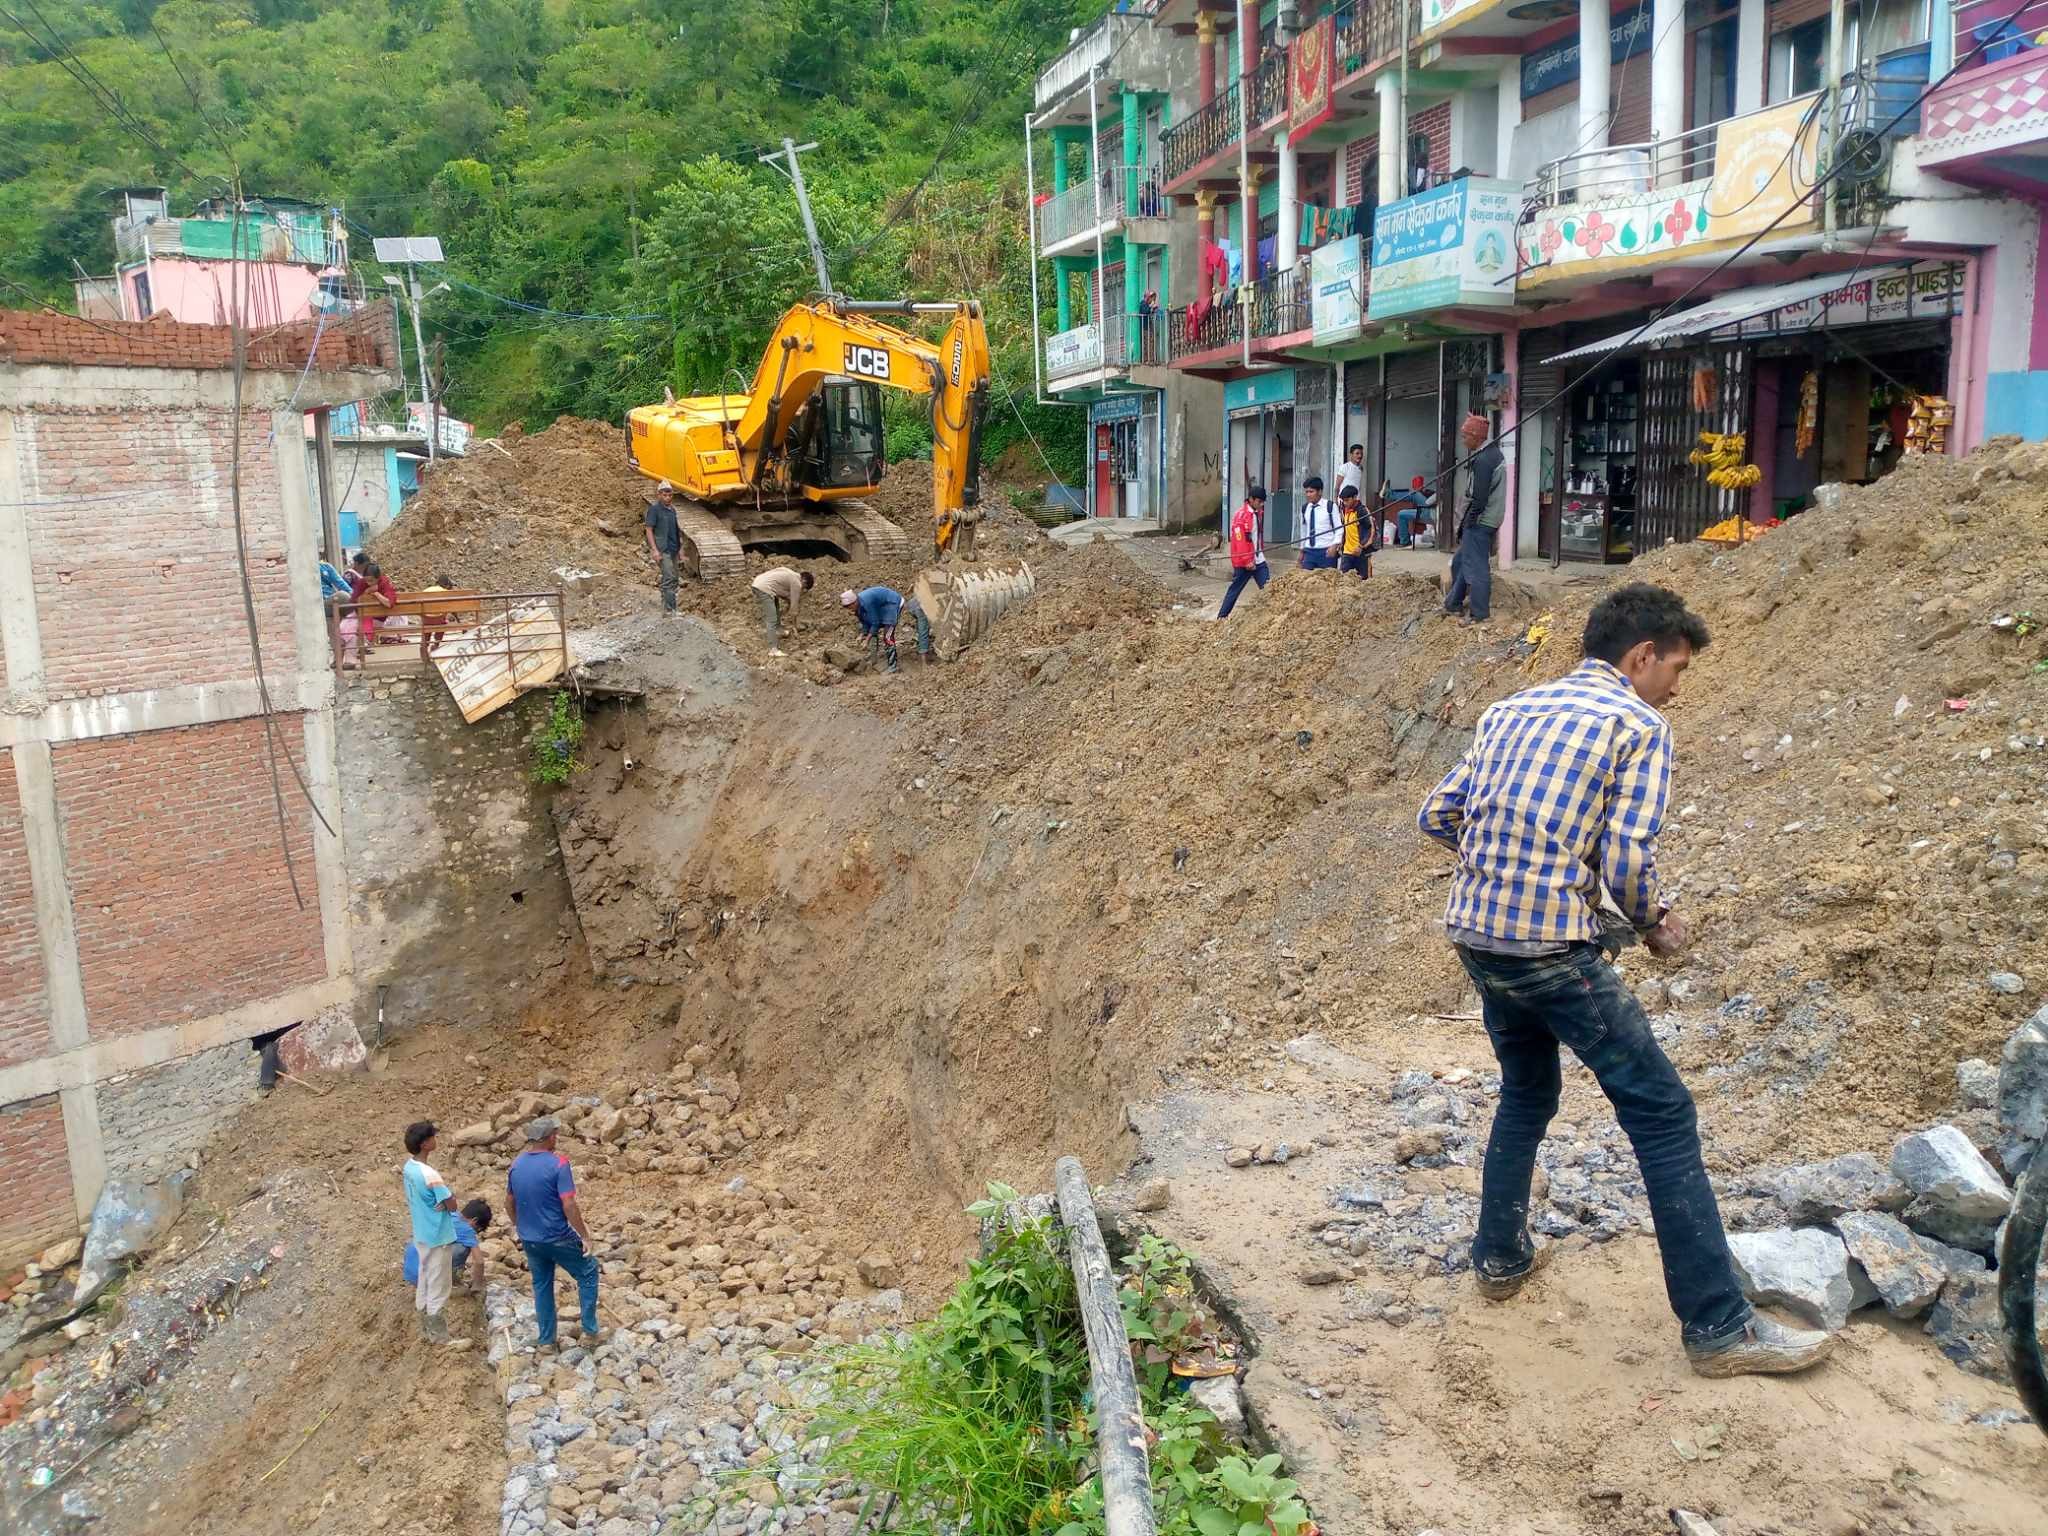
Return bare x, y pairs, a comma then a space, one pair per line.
433, 1230
877, 609
541, 1195
470, 1225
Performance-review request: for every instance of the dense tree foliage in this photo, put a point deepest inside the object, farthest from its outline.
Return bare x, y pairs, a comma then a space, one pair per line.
591, 166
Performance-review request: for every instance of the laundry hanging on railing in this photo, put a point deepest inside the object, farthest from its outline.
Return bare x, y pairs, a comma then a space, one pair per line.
1320, 225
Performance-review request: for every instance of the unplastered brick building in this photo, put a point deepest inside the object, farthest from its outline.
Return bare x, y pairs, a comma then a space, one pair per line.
150, 927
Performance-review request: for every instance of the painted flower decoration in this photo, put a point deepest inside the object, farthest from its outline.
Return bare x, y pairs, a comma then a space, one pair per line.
1677, 222
1595, 234
1549, 240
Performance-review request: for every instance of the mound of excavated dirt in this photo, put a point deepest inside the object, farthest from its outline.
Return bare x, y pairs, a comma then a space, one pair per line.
505, 518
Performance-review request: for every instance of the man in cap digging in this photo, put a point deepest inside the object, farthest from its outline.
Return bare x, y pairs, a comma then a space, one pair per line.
541, 1195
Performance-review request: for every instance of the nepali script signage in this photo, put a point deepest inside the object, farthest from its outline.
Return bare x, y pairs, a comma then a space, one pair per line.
1628, 34
1930, 290
1311, 72
1336, 290
1452, 245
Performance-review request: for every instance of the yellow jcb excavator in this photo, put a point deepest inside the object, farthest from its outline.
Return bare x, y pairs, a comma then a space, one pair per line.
787, 463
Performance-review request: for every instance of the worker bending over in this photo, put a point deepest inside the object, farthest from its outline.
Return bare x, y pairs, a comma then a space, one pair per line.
777, 592
878, 609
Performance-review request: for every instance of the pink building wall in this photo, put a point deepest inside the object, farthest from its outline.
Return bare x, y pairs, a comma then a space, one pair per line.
201, 292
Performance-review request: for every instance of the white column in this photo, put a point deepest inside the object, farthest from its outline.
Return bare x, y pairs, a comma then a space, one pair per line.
1288, 236
1393, 138
1667, 85
1752, 53
1594, 63
1510, 116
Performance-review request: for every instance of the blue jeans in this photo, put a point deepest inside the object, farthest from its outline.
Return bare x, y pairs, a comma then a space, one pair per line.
1575, 998
1472, 571
543, 1259
1238, 577
1404, 526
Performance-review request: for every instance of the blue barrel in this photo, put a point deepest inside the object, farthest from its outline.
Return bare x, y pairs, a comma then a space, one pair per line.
1897, 79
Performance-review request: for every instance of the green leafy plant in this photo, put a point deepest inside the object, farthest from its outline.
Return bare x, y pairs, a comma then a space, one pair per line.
555, 743
1254, 1500
1162, 1314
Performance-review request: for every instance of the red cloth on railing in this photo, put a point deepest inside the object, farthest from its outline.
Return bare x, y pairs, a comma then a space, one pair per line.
1215, 273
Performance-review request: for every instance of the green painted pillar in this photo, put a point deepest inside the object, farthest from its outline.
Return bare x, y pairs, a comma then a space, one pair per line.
1134, 129
1134, 290
1063, 290
1062, 139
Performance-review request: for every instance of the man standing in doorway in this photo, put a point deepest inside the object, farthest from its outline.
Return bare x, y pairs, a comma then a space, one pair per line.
433, 1230
1486, 499
540, 1193
1564, 789
1322, 529
1352, 471
1247, 548
665, 541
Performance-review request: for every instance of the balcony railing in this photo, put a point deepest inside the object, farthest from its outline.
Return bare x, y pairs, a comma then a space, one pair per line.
1125, 191
1093, 48
1269, 88
1207, 132
1219, 326
1136, 341
1619, 170
2004, 27
1369, 30
1280, 303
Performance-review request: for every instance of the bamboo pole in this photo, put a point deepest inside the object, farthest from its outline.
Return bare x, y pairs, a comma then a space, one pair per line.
1120, 1421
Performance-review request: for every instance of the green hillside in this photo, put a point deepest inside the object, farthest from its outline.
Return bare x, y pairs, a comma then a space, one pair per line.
590, 167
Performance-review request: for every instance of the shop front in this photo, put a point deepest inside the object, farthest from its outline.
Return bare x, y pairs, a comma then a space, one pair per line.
1259, 447
1724, 420
1406, 407
1127, 471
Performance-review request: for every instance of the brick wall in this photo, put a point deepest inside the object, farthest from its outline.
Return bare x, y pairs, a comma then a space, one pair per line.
1358, 156
147, 594
1435, 123
152, 1120
35, 1170
178, 884
24, 1007
366, 339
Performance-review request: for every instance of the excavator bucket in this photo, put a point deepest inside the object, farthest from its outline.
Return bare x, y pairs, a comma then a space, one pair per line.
963, 605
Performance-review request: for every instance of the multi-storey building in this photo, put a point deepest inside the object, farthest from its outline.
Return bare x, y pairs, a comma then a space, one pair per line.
1609, 225
1112, 240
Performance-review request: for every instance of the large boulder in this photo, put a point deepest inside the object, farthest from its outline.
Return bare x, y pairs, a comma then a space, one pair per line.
128, 1220
1813, 1193
2023, 1094
1965, 1325
1803, 1269
1901, 1265
1958, 1197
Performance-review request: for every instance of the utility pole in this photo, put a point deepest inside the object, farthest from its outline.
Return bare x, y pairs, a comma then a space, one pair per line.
409, 252
788, 163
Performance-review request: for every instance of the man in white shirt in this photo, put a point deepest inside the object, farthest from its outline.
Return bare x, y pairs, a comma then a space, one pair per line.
1322, 527
1351, 471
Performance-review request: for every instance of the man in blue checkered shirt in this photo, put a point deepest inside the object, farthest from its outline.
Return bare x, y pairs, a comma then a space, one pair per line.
1563, 792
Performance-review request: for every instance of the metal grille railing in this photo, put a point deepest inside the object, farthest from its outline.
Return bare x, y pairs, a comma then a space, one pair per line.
1135, 341
374, 637
1280, 303
1368, 31
1219, 326
1269, 88
2004, 27
1204, 133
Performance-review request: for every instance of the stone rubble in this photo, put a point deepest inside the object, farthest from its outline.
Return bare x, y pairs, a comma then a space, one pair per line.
1958, 1197
2023, 1094
1802, 1269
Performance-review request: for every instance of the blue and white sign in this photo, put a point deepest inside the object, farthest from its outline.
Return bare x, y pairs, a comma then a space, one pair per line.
1336, 275
1453, 245
1556, 64
1274, 387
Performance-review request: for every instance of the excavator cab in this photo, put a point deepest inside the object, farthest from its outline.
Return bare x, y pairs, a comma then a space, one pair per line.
837, 437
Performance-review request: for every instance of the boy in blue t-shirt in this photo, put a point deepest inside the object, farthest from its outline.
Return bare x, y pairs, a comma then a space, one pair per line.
470, 1225
432, 1207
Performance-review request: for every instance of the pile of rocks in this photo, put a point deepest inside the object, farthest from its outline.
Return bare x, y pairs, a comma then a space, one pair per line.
1917, 1233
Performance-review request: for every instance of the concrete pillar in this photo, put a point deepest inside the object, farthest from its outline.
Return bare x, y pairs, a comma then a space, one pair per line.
1510, 117
1288, 237
1248, 221
1063, 290
1205, 214
1595, 61
1205, 57
1134, 153
1134, 291
1752, 52
1510, 416
1247, 38
1062, 175
1393, 138
1667, 84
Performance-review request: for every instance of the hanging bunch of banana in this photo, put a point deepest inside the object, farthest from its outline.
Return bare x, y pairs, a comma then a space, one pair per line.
1720, 453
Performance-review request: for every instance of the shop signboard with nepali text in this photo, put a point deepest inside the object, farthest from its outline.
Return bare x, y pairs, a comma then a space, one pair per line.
1336, 280
1311, 73
1451, 245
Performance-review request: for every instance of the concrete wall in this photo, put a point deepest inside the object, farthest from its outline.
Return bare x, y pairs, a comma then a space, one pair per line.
455, 886
152, 1121
152, 917
365, 483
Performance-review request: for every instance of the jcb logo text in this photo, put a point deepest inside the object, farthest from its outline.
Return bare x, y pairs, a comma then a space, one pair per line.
867, 362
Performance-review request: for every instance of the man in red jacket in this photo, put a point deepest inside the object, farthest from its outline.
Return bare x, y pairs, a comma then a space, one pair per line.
1247, 548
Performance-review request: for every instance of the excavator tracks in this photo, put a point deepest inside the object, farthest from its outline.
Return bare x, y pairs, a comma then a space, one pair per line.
883, 538
710, 547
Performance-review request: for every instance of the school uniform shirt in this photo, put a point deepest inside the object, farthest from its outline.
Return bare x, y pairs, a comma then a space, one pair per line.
1322, 525
1354, 527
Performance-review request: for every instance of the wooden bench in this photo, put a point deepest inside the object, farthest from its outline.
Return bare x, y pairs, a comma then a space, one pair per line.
437, 612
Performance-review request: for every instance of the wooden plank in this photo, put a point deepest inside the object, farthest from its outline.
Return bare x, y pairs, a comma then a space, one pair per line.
494, 663
1119, 1419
